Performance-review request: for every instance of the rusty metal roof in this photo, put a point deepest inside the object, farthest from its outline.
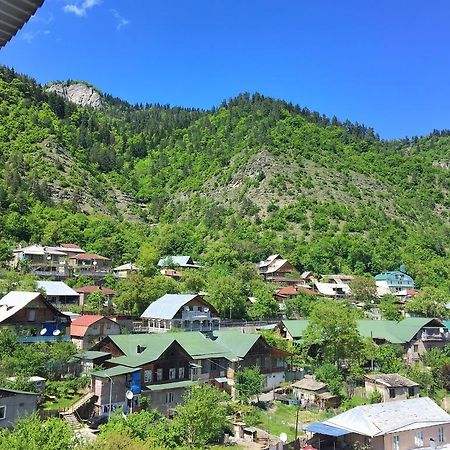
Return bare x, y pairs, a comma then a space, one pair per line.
13, 15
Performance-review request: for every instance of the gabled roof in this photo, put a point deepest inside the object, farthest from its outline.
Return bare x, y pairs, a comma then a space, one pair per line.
80, 325
388, 330
167, 306
14, 301
182, 261
269, 260
236, 342
382, 418
56, 288
14, 14
309, 383
88, 257
39, 250
329, 289
391, 380
127, 266
14, 392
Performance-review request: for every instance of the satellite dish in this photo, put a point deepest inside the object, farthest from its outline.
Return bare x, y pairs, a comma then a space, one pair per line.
129, 395
43, 331
56, 332
206, 310
283, 438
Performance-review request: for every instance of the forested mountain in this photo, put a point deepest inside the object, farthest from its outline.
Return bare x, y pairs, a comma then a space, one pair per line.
252, 177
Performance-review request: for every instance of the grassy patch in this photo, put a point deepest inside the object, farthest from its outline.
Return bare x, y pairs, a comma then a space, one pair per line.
59, 404
281, 418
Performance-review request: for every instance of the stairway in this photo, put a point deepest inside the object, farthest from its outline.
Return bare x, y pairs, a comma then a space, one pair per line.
72, 420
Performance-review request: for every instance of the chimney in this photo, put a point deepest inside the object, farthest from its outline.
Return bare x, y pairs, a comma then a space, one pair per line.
140, 349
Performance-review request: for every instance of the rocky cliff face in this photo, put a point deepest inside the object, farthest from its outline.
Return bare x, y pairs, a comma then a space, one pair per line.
78, 93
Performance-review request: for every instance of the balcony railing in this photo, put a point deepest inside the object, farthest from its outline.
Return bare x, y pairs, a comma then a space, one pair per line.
435, 334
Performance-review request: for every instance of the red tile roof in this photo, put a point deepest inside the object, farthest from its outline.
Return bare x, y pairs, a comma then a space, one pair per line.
80, 325
88, 256
294, 290
91, 289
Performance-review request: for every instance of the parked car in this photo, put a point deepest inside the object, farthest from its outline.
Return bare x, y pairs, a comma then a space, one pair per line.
96, 421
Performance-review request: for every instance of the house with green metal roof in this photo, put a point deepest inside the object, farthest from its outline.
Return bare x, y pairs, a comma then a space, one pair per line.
166, 362
14, 405
416, 334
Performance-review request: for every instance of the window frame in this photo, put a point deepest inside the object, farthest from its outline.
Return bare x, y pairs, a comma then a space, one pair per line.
3, 415
148, 375
396, 442
418, 438
172, 373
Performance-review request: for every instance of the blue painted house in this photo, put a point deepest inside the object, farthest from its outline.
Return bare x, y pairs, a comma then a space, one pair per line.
394, 281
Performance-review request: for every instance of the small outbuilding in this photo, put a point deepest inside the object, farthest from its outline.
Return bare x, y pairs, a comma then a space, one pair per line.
391, 386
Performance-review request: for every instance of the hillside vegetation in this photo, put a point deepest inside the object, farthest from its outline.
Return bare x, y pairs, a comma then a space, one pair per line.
252, 177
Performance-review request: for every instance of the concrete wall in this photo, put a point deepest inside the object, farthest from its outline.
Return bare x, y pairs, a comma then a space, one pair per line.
401, 393
162, 401
17, 406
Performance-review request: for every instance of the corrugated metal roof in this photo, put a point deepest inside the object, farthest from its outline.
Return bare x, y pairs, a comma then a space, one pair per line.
382, 418
167, 306
13, 15
327, 430
14, 301
174, 385
56, 288
182, 261
113, 372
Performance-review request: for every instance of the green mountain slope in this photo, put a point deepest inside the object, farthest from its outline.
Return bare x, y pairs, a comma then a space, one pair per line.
252, 177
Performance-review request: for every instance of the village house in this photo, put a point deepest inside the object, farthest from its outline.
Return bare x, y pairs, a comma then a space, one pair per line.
84, 292
393, 282
391, 386
168, 363
171, 273
87, 330
32, 317
125, 270
416, 334
181, 311
88, 360
15, 405
332, 290
277, 269
288, 292
401, 425
185, 262
310, 391
58, 293
90, 264
37, 382
45, 260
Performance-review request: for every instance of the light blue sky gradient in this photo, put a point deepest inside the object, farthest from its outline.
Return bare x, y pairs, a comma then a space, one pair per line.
384, 63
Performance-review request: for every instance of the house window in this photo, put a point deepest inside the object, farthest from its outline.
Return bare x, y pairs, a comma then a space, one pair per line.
159, 374
169, 397
108, 325
392, 393
172, 374
181, 372
411, 392
2, 412
441, 435
31, 315
396, 442
147, 376
416, 348
418, 440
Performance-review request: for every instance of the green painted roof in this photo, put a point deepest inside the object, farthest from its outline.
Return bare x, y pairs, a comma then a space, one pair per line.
196, 344
113, 372
90, 355
236, 342
15, 391
295, 327
147, 356
174, 385
389, 330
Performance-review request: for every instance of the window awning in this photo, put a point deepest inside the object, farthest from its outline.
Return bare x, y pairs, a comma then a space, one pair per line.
321, 428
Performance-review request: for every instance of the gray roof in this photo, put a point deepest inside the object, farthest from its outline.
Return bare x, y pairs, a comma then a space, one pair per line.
14, 14
167, 306
383, 418
181, 261
391, 380
56, 288
309, 383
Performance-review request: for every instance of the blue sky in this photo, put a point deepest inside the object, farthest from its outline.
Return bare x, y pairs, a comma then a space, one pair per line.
383, 63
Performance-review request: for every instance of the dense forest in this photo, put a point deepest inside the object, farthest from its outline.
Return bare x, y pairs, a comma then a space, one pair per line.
252, 177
